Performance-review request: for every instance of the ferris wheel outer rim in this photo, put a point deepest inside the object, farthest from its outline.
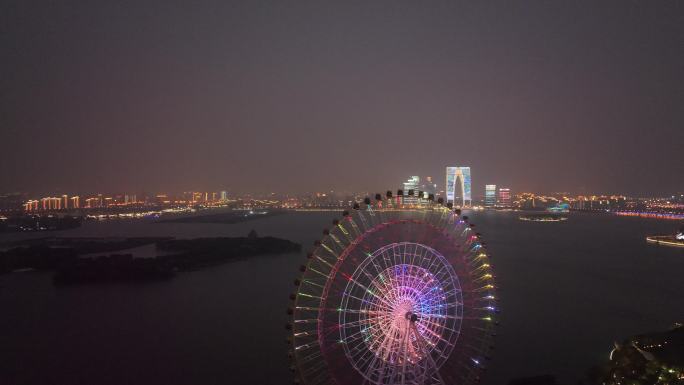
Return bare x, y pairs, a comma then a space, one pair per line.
347, 215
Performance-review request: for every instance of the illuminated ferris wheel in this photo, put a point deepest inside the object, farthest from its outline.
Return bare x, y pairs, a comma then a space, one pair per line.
398, 291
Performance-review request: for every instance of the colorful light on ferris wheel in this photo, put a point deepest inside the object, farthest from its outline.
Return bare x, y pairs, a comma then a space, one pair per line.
394, 293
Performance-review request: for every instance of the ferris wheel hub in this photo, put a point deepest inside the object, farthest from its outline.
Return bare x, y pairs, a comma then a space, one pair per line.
411, 316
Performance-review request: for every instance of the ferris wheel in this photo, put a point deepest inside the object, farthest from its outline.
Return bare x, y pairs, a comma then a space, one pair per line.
398, 291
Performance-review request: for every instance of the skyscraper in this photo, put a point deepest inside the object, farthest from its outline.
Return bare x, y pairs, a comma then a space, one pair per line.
458, 189
413, 183
504, 199
490, 195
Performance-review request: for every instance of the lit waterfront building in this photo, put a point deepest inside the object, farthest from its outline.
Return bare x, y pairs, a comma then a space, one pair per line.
224, 195
92, 202
51, 203
162, 199
413, 183
458, 181
31, 205
490, 195
504, 198
75, 202
65, 201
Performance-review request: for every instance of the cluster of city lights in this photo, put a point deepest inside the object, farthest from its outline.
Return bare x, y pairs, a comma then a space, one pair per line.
656, 215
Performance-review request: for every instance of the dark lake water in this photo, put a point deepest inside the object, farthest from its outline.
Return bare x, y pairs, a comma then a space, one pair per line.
568, 290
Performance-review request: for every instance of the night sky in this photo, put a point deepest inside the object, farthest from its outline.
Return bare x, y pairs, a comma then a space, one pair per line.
261, 96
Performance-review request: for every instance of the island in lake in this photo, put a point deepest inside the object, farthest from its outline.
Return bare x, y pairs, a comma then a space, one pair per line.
542, 217
65, 256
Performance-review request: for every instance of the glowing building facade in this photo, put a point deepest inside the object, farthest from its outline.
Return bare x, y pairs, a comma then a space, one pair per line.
504, 198
490, 195
458, 189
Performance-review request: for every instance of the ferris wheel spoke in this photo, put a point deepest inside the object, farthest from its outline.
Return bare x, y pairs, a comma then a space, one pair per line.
355, 335
365, 287
431, 360
375, 359
380, 284
382, 300
439, 316
355, 311
437, 336
359, 358
430, 322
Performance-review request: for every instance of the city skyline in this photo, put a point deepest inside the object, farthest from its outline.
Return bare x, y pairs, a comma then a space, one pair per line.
478, 188
478, 194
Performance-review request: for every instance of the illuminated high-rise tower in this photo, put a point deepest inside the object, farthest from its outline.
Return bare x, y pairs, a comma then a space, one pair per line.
413, 183
458, 189
490, 195
504, 197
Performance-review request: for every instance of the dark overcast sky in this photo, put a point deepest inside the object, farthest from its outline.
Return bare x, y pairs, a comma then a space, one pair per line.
299, 96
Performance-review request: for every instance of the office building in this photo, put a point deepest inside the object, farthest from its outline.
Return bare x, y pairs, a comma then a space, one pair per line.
490, 195
413, 183
504, 198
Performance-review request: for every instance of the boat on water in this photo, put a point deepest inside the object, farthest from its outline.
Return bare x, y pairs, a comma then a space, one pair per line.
676, 240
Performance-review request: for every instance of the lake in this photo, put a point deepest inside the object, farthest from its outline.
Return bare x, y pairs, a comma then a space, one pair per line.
568, 290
